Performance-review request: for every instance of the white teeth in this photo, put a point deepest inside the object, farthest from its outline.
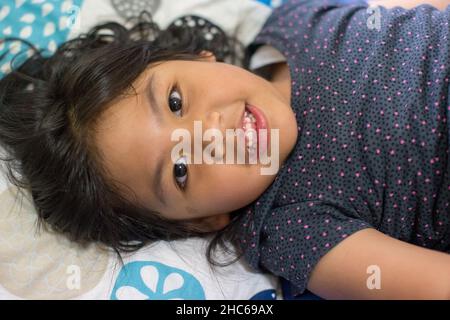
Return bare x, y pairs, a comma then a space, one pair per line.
251, 140
248, 115
248, 120
251, 147
249, 136
249, 123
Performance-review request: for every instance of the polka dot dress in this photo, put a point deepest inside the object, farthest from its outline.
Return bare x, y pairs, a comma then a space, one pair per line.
372, 106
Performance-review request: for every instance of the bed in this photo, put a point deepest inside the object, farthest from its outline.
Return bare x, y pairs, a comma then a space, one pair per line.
44, 265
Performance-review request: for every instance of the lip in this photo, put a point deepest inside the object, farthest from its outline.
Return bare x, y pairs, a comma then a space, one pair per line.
261, 120
241, 120
261, 123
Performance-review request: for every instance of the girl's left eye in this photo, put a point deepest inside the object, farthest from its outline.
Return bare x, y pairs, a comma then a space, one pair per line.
175, 102
180, 171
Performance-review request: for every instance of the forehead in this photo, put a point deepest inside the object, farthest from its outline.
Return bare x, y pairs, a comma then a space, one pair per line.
122, 136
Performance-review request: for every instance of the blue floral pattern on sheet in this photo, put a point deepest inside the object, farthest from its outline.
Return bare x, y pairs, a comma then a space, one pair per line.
150, 280
272, 3
269, 294
44, 23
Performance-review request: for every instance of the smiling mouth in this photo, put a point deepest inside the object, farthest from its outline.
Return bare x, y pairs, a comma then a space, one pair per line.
255, 126
249, 125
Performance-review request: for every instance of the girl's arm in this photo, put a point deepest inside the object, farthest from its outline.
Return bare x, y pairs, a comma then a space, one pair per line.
406, 271
409, 4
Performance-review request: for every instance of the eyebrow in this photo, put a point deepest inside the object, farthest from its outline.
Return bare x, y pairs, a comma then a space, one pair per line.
151, 98
158, 172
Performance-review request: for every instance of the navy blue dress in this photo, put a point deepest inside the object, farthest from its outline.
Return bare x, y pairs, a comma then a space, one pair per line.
372, 104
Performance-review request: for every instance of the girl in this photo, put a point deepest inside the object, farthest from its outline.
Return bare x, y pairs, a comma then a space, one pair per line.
360, 205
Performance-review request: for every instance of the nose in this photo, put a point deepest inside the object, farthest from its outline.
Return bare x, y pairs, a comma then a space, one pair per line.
214, 120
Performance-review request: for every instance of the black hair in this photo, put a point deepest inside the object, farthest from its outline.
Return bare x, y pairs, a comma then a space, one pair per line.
49, 107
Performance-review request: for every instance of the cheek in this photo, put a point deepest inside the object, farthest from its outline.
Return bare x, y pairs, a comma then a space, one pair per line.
226, 188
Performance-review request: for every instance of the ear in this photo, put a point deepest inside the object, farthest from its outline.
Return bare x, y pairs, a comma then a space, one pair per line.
208, 56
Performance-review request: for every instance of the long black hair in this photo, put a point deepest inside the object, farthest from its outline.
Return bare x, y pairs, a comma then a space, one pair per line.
49, 107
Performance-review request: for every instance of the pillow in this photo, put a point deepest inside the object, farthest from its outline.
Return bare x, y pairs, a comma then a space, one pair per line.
45, 265
47, 24
40, 264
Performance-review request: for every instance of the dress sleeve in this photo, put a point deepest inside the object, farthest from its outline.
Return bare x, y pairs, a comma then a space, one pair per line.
292, 239
354, 31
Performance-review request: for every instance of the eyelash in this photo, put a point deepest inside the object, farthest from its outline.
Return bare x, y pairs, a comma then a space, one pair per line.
172, 90
179, 186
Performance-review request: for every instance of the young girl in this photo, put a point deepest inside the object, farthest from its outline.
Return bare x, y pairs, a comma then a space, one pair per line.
360, 205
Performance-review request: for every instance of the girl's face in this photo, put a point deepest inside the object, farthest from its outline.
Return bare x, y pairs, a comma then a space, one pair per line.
134, 136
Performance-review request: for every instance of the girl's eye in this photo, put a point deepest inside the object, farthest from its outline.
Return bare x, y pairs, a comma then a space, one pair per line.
175, 102
180, 171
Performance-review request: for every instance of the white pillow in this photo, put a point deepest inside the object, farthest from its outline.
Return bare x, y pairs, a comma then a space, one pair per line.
46, 265
241, 18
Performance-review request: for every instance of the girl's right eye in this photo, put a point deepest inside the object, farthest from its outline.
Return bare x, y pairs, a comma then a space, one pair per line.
180, 172
175, 102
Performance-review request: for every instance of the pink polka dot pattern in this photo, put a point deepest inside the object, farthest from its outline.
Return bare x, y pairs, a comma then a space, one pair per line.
372, 108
